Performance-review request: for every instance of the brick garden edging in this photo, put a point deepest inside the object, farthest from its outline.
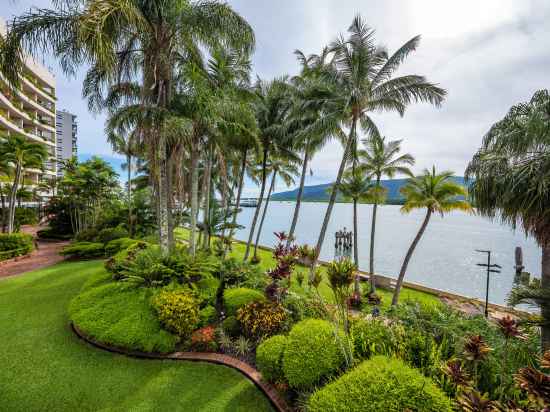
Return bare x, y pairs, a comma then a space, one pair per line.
248, 371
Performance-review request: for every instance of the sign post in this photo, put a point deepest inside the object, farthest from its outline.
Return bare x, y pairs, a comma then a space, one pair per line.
491, 268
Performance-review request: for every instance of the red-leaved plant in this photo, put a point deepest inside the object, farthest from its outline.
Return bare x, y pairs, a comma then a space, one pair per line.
285, 255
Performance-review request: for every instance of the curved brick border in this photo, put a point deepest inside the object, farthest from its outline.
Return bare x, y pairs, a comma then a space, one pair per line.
256, 377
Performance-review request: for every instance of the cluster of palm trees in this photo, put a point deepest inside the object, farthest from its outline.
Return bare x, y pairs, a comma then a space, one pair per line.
174, 77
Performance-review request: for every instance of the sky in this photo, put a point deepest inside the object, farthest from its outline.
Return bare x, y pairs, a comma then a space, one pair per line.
488, 55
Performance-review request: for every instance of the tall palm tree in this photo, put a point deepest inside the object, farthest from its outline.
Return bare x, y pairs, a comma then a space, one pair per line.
126, 145
272, 105
124, 40
356, 186
437, 193
284, 168
22, 154
361, 78
381, 159
510, 177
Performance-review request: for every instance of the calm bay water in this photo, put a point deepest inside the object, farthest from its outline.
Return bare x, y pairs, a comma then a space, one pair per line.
444, 259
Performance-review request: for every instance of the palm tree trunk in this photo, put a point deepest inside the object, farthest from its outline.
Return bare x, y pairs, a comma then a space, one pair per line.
372, 276
206, 216
238, 202
299, 196
355, 247
13, 195
4, 211
194, 198
129, 161
163, 196
170, 199
333, 195
257, 211
545, 307
408, 258
271, 187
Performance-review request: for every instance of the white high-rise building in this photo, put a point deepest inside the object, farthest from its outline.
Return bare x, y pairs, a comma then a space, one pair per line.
67, 129
30, 111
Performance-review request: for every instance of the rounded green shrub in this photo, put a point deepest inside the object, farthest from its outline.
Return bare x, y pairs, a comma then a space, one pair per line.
177, 311
84, 250
236, 298
111, 233
312, 353
207, 315
231, 326
269, 357
380, 384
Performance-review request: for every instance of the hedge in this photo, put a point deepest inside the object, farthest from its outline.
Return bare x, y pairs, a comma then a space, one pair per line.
269, 357
84, 250
312, 353
15, 244
380, 384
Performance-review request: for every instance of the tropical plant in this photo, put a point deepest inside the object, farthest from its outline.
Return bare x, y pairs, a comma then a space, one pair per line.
341, 274
437, 193
360, 76
509, 181
22, 154
381, 159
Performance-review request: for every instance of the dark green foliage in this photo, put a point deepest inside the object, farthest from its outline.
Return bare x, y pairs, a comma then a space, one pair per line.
231, 326
269, 357
53, 234
87, 235
236, 298
380, 384
119, 315
111, 233
207, 315
312, 353
116, 245
84, 250
26, 216
15, 244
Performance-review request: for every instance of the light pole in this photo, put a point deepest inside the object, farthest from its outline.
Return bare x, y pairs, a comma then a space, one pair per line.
491, 268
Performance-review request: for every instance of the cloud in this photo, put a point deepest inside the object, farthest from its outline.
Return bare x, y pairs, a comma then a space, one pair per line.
488, 54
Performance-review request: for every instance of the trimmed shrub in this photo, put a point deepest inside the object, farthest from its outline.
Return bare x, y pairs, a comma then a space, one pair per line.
261, 319
231, 326
380, 384
269, 357
87, 235
15, 244
236, 298
111, 233
116, 245
312, 353
84, 250
207, 315
177, 311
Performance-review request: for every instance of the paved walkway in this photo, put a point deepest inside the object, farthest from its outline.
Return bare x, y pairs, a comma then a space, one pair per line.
47, 254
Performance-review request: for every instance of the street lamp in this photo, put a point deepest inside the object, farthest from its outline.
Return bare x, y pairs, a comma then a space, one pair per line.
491, 268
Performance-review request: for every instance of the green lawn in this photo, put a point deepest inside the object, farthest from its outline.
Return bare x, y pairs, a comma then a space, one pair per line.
43, 366
267, 262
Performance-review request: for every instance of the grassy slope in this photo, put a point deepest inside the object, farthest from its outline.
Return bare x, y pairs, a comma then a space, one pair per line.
267, 262
43, 366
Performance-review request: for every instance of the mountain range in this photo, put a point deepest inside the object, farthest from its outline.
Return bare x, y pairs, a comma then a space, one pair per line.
320, 193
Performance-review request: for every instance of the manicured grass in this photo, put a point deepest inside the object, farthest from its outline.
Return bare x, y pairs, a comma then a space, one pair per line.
44, 366
267, 262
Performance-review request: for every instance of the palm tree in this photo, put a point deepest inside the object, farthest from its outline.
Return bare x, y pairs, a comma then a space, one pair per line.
509, 181
272, 104
356, 186
125, 145
381, 159
22, 154
361, 78
437, 193
124, 40
284, 168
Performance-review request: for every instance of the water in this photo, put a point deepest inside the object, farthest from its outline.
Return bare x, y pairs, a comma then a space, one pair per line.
444, 259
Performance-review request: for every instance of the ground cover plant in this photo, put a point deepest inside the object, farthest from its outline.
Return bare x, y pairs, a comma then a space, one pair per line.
15, 244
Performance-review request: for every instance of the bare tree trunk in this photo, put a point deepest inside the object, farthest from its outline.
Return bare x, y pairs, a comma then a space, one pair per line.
194, 198
257, 211
333, 195
355, 248
129, 161
408, 258
207, 186
271, 187
170, 199
545, 307
12, 200
299, 196
372, 276
238, 202
4, 211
